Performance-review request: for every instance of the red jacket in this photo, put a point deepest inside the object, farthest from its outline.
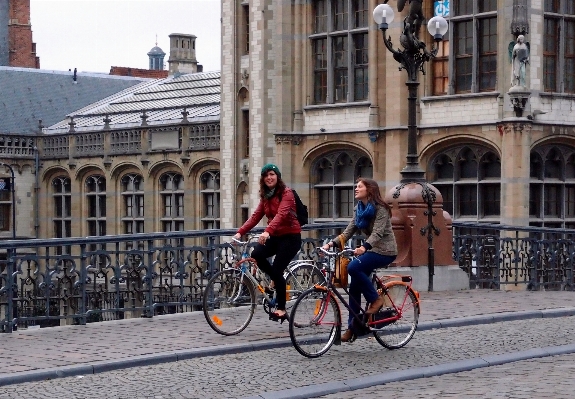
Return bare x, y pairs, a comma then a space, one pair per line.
282, 216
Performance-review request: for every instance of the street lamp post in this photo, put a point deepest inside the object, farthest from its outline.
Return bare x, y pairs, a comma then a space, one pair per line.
412, 58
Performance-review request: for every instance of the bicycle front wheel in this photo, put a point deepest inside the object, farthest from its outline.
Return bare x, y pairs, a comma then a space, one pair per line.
314, 322
300, 278
229, 302
400, 301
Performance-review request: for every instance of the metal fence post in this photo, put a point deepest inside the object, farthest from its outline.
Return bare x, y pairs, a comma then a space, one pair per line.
83, 280
149, 281
12, 308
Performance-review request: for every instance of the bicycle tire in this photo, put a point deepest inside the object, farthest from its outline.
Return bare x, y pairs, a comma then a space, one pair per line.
315, 322
229, 302
300, 278
398, 333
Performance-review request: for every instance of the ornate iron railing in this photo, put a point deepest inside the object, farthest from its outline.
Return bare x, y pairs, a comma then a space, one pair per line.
79, 280
48, 282
496, 256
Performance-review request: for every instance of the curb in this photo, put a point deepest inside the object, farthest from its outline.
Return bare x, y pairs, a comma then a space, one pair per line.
328, 388
166, 357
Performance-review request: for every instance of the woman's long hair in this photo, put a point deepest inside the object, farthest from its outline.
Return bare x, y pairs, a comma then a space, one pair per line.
373, 193
280, 187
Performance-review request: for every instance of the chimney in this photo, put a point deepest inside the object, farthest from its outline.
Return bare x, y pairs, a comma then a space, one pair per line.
182, 54
21, 49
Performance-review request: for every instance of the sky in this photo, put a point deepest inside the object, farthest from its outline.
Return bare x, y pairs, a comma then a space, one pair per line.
93, 35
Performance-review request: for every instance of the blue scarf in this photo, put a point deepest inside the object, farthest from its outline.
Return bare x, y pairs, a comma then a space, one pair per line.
364, 214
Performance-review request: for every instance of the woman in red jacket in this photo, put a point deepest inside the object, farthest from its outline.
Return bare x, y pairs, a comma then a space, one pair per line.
282, 236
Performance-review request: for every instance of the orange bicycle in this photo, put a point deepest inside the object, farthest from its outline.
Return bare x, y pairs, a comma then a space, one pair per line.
316, 319
232, 294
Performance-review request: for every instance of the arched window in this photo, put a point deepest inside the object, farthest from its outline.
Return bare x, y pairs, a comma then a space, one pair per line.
552, 187
334, 181
96, 197
133, 203
469, 179
62, 202
172, 200
210, 183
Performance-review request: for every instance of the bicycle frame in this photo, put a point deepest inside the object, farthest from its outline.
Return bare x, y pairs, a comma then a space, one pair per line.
245, 261
383, 286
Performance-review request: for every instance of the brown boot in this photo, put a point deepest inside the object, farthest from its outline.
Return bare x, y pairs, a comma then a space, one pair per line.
375, 305
347, 336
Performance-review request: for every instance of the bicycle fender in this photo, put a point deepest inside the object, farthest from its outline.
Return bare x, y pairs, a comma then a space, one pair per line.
415, 293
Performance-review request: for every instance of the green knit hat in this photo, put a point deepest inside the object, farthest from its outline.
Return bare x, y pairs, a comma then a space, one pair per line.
271, 166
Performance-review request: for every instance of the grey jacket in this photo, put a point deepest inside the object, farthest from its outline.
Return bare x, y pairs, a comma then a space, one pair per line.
379, 233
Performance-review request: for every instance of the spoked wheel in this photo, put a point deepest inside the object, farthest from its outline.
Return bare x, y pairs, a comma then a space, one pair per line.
396, 334
301, 278
314, 323
229, 302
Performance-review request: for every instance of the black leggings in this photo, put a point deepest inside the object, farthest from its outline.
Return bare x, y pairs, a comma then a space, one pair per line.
285, 249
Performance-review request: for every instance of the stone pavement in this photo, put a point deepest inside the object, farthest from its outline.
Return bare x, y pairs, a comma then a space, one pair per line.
183, 340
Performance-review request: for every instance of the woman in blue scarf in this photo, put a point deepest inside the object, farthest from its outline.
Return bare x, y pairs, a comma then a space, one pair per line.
372, 218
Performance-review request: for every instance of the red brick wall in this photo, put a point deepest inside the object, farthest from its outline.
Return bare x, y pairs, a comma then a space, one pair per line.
22, 49
138, 73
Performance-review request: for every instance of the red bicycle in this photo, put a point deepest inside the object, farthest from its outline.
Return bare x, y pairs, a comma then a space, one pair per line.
316, 319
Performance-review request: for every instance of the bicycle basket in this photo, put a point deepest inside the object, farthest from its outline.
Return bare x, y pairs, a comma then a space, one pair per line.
340, 272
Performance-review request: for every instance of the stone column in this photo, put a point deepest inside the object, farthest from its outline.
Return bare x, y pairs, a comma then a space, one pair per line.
515, 163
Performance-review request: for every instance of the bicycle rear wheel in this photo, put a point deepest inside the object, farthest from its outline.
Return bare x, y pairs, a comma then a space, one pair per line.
300, 278
229, 302
396, 334
314, 323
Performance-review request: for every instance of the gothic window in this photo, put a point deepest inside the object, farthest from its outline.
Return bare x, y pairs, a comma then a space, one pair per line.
62, 203
210, 183
552, 187
133, 203
339, 48
440, 71
475, 45
559, 46
334, 182
246, 132
5, 216
245, 29
469, 180
96, 201
5, 202
132, 193
172, 200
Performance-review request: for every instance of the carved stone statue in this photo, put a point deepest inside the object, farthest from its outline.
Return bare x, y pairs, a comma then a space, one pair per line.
519, 60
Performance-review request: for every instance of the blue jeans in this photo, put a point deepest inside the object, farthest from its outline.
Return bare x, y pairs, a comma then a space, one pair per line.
359, 269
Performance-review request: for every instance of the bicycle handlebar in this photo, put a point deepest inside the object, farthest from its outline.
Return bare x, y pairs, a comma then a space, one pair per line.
346, 252
251, 237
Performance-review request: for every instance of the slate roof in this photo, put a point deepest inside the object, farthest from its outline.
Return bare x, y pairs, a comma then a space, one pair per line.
27, 95
163, 100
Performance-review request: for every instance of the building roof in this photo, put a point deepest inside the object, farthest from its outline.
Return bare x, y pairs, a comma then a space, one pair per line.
29, 95
163, 100
156, 50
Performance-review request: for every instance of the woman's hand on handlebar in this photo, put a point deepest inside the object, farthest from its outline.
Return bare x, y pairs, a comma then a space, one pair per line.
359, 251
263, 237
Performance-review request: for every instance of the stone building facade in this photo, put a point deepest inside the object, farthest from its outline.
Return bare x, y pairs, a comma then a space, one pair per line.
310, 86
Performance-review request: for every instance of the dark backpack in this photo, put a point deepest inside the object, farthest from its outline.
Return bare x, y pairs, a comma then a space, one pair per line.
300, 210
